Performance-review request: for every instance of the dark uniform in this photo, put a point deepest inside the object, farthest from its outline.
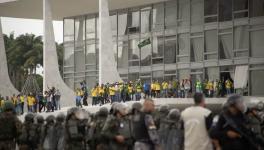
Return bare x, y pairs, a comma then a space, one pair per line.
76, 128
145, 132
233, 130
118, 126
28, 140
59, 131
9, 127
48, 142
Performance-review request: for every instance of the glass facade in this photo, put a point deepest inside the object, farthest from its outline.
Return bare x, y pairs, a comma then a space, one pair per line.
197, 39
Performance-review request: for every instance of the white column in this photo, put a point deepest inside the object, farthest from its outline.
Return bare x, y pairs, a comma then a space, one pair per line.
52, 75
107, 65
6, 86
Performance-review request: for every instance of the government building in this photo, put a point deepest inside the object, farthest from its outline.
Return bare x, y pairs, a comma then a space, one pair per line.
189, 39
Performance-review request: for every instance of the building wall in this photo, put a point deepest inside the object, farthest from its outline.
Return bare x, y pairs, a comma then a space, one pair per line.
197, 39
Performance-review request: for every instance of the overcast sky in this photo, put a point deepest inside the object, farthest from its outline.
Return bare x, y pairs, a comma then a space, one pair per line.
22, 26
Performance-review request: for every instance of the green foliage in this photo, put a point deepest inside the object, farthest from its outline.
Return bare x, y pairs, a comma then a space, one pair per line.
24, 55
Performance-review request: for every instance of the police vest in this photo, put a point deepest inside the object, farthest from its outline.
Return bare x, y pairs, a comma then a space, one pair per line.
140, 129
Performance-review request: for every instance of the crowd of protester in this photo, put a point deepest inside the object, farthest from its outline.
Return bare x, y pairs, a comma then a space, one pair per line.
140, 127
126, 91
35, 102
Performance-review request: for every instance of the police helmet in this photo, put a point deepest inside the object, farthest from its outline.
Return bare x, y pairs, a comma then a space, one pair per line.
8, 106
29, 117
236, 101
60, 117
50, 119
112, 110
164, 109
136, 106
120, 107
103, 111
40, 119
174, 115
260, 106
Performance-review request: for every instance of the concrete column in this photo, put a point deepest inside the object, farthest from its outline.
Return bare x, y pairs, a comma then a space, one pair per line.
6, 86
52, 75
107, 65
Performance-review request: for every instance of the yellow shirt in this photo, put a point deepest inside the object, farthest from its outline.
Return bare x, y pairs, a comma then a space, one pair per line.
152, 86
31, 100
210, 86
94, 92
22, 99
130, 89
157, 85
112, 90
101, 90
228, 84
165, 85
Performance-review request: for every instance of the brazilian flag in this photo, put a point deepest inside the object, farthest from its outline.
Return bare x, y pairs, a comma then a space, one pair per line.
144, 43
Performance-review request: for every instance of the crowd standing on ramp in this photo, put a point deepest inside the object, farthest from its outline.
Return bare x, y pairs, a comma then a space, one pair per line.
141, 127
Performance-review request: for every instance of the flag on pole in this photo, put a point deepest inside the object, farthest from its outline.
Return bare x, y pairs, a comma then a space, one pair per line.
144, 43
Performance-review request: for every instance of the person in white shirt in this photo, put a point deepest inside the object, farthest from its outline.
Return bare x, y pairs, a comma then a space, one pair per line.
196, 122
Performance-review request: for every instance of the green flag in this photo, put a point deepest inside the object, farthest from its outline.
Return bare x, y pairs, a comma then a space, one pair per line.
144, 43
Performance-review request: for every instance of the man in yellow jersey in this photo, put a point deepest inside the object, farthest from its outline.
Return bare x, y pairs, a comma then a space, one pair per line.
157, 89
94, 93
101, 94
165, 86
31, 101
228, 86
112, 93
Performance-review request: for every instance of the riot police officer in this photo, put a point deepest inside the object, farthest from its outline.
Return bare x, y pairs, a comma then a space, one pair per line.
232, 129
96, 140
9, 127
48, 142
174, 133
145, 130
28, 140
117, 129
59, 131
40, 129
76, 127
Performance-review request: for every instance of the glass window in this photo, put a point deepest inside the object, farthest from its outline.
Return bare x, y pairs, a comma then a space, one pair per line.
183, 47
68, 30
210, 10
197, 47
183, 74
133, 22
146, 55
145, 21
133, 76
157, 47
122, 54
197, 12
257, 80
211, 44
170, 14
133, 49
122, 23
256, 8
68, 42
79, 44
113, 18
225, 44
257, 43
240, 8
241, 41
158, 17
90, 28
157, 75
212, 73
183, 13
69, 82
170, 50
90, 54
225, 10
